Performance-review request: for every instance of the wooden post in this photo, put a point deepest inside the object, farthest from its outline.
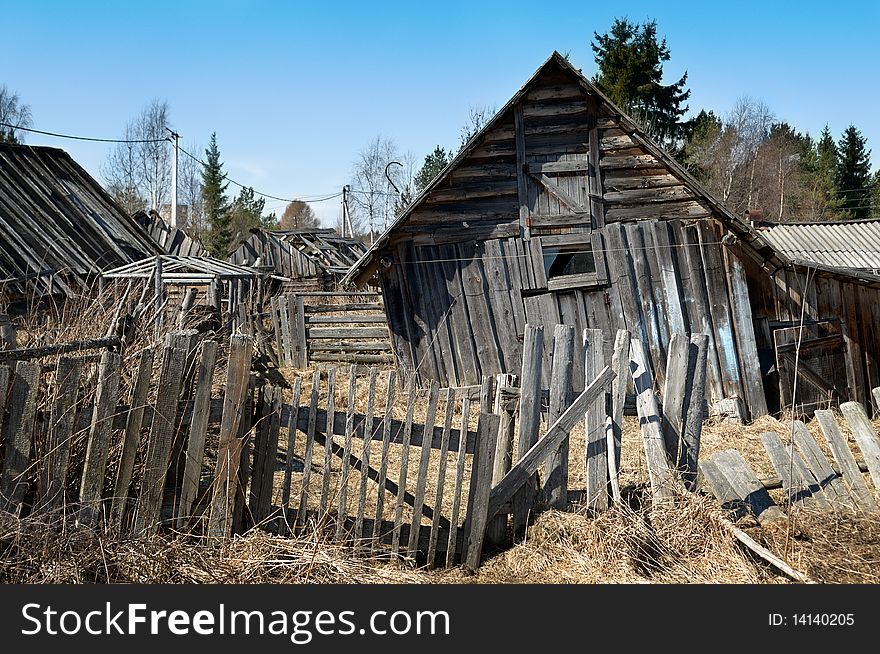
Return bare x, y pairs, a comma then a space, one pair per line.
481, 487
695, 408
620, 365
556, 469
160, 293
229, 451
241, 520
19, 434
596, 498
98, 448
299, 335
61, 423
661, 477
496, 532
674, 409
186, 306
195, 449
529, 421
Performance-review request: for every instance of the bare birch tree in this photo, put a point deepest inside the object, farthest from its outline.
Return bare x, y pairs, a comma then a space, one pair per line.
13, 112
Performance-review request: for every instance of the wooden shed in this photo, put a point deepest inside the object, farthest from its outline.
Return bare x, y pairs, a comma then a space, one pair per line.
58, 227
308, 259
561, 210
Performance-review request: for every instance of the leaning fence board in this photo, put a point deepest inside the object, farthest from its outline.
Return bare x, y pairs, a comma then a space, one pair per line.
287, 481
720, 487
346, 452
457, 486
265, 453
596, 497
98, 448
743, 480
369, 427
422, 478
852, 475
61, 422
404, 464
441, 477
383, 457
828, 479
328, 443
620, 366
309, 451
556, 469
866, 438
19, 434
661, 476
198, 429
497, 530
528, 464
230, 445
529, 421
159, 448
797, 481
674, 397
695, 407
478, 500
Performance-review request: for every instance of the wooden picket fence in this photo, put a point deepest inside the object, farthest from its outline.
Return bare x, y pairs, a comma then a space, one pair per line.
309, 329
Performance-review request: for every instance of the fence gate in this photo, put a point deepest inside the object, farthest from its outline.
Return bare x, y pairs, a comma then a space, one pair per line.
314, 327
821, 366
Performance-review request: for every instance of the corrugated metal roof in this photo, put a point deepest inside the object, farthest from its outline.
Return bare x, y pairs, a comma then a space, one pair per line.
58, 226
843, 244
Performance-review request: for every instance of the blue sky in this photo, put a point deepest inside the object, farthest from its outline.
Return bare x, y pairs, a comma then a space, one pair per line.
295, 89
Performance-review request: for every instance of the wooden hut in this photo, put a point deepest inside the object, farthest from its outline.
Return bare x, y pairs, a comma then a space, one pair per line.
561, 210
58, 228
308, 259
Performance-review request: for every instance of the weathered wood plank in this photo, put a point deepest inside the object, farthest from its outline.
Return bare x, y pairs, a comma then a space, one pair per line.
529, 421
478, 501
830, 482
324, 506
743, 480
53, 479
555, 489
457, 486
441, 478
369, 433
309, 450
674, 392
346, 332
264, 454
797, 481
596, 463
852, 475
661, 476
620, 366
422, 477
346, 452
404, 464
521, 187
383, 455
98, 448
866, 438
195, 448
19, 434
695, 408
290, 454
719, 486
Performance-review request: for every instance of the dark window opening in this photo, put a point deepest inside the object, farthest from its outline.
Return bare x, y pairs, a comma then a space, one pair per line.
563, 260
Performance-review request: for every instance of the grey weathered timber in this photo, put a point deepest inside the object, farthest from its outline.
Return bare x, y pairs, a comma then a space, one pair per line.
521, 188
830, 482
245, 444
230, 444
743, 480
328, 444
720, 487
299, 342
383, 456
310, 447
852, 475
496, 532
156, 460
274, 308
674, 391
26, 354
661, 476
290, 455
797, 481
556, 469
198, 429
478, 499
346, 452
596, 496
528, 464
695, 408
620, 366
529, 422
131, 438
404, 464
19, 434
346, 332
62, 418
457, 486
865, 436
265, 454
98, 448
285, 322
369, 433
422, 477
441, 478
358, 319
875, 393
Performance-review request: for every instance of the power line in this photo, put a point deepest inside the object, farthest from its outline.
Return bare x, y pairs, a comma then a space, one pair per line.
83, 138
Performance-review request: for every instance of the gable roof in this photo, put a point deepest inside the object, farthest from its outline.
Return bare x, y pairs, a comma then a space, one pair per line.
852, 244
58, 226
365, 266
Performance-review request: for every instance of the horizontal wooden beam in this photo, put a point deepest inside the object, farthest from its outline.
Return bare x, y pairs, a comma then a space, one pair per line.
555, 167
28, 353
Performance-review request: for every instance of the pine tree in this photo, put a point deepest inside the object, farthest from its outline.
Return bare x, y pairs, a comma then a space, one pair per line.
216, 204
630, 61
434, 163
246, 212
854, 173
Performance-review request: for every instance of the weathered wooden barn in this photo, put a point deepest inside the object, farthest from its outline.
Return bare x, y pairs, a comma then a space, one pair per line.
309, 259
58, 228
562, 210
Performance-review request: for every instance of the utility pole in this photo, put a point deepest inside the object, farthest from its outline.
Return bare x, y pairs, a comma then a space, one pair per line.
176, 137
347, 229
